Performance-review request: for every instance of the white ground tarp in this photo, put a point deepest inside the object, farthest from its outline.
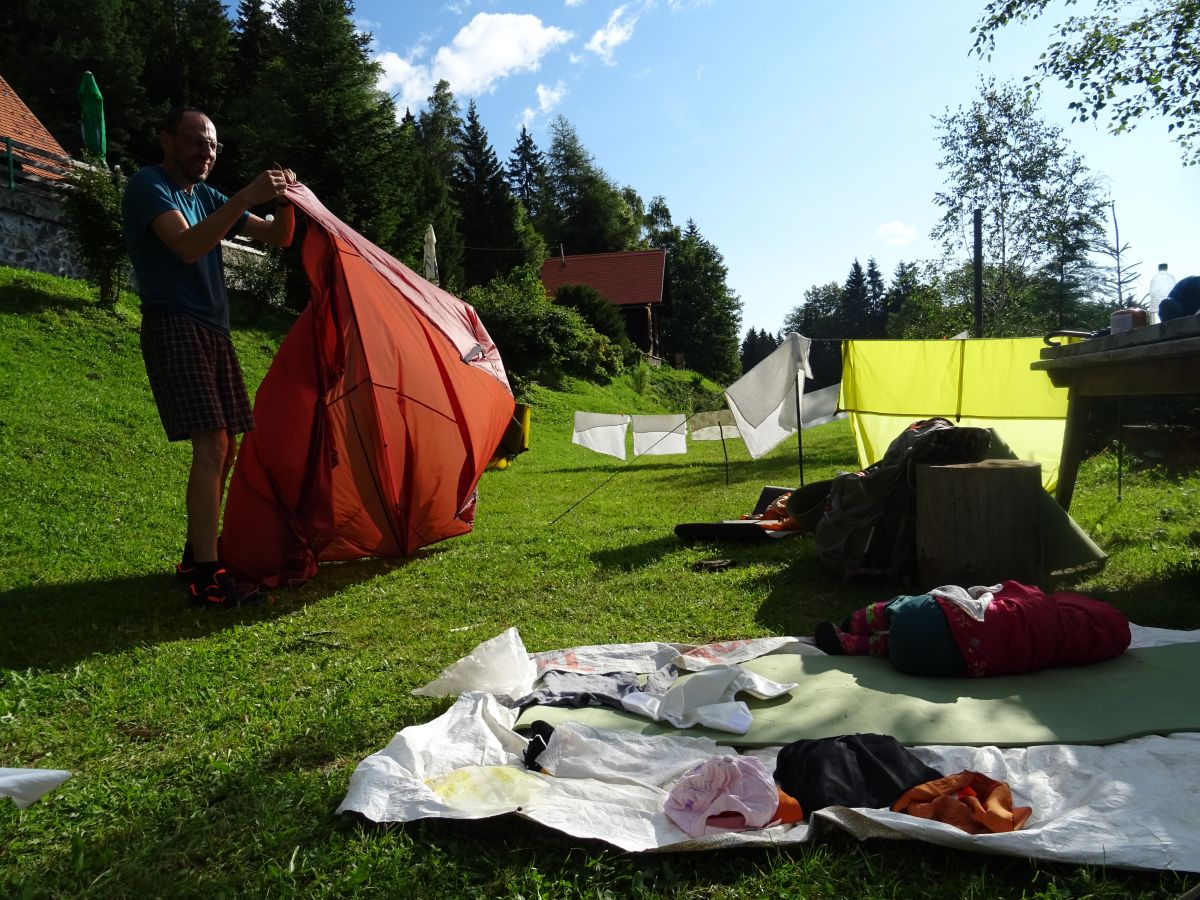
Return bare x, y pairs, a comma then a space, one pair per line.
1131, 804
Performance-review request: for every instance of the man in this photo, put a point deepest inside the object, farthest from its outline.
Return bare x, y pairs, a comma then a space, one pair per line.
174, 223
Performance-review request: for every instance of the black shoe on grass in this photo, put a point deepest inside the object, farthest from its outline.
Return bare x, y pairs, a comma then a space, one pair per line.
221, 591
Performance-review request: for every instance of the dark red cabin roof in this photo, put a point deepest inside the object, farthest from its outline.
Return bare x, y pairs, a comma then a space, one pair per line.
625, 278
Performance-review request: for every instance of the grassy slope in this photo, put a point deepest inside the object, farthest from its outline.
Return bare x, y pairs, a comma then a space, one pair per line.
210, 750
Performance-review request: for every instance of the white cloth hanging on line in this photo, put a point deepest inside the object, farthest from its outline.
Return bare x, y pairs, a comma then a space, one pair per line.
819, 407
713, 426
763, 401
659, 435
602, 432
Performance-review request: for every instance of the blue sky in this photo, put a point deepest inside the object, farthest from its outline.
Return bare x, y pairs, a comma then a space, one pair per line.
798, 136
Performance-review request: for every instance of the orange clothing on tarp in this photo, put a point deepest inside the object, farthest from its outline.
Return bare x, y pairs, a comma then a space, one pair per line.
777, 518
788, 812
967, 800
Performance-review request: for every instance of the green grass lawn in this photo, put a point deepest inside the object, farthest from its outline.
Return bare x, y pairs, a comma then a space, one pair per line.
209, 749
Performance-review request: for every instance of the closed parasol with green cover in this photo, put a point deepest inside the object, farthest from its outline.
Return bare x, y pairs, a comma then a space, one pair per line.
91, 117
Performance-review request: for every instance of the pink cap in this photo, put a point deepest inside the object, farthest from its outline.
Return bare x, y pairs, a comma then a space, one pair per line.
723, 793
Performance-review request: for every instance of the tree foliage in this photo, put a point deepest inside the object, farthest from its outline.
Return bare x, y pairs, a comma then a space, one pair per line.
586, 212
1125, 59
707, 314
327, 119
540, 341
756, 346
92, 204
526, 174
1040, 203
596, 311
486, 208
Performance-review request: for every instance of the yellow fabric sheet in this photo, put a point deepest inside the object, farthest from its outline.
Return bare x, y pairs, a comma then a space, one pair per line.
887, 385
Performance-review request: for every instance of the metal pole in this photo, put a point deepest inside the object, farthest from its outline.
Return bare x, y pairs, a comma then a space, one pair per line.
721, 431
799, 427
8, 152
979, 273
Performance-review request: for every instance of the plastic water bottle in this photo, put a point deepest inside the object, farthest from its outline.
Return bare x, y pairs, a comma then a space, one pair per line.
1160, 286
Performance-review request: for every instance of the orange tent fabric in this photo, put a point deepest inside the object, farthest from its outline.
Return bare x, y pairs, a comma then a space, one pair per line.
374, 423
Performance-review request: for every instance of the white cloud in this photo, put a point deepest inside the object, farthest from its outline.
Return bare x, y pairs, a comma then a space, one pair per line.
617, 31
574, 3
493, 46
488, 49
896, 233
547, 100
409, 84
677, 5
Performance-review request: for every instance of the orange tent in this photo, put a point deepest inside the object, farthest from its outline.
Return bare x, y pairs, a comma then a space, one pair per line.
374, 423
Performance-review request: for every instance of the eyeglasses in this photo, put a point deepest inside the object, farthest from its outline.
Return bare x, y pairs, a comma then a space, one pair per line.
200, 143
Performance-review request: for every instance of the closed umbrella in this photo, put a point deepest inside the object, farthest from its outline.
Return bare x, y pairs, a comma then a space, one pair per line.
91, 117
431, 268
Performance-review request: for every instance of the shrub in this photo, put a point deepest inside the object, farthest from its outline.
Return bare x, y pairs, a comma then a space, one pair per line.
92, 205
639, 377
539, 340
260, 275
601, 314
685, 390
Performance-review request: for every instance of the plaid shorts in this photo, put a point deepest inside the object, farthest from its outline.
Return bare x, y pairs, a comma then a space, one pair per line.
194, 376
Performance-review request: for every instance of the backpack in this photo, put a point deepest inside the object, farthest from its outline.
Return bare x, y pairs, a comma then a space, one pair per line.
865, 523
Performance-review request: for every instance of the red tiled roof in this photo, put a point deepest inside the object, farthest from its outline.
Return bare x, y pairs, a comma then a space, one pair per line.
626, 278
18, 122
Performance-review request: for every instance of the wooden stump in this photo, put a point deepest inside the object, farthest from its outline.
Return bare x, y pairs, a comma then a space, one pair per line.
979, 523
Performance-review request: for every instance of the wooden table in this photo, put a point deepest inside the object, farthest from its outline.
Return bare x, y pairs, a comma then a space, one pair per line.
1155, 360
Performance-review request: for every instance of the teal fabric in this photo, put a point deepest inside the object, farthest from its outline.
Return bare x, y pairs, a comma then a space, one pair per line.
920, 641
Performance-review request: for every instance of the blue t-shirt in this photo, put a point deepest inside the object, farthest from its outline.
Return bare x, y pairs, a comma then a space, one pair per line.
164, 281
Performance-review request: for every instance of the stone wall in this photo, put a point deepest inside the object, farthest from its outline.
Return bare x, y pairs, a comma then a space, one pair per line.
33, 233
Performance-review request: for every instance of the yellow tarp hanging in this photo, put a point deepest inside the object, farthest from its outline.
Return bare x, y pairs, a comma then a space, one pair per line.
887, 385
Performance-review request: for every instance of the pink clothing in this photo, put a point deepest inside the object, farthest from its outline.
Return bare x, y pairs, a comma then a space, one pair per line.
723, 793
1024, 630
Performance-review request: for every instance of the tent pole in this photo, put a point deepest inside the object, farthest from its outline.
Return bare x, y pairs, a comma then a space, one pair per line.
721, 429
799, 427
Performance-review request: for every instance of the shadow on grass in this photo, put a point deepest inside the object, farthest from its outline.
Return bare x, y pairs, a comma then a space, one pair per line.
807, 591
635, 556
31, 292
53, 627
776, 471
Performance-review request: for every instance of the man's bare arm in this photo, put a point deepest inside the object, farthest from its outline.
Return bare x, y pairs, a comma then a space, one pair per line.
190, 242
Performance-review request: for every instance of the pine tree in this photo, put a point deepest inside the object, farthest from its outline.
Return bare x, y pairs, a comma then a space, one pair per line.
438, 157
1120, 277
819, 317
588, 213
488, 213
256, 43
327, 120
856, 306
707, 314
526, 174
876, 312
757, 346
